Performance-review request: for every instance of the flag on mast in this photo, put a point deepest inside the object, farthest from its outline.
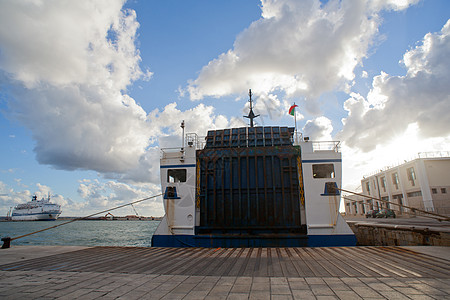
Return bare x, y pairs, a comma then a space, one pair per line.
292, 110
292, 113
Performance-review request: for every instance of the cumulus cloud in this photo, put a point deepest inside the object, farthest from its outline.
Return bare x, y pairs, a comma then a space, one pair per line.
302, 48
67, 65
198, 119
319, 129
421, 98
67, 42
164, 131
99, 196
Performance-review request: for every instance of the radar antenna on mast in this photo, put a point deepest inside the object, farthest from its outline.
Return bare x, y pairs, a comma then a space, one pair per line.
251, 114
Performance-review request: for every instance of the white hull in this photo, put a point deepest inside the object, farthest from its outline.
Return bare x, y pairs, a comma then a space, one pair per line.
36, 217
319, 224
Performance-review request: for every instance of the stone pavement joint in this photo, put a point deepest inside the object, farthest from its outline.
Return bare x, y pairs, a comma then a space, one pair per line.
127, 286
33, 278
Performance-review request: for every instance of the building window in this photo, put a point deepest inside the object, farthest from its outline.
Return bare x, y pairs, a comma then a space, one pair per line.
443, 190
323, 171
399, 199
386, 198
176, 175
383, 183
411, 176
368, 187
434, 190
414, 194
395, 180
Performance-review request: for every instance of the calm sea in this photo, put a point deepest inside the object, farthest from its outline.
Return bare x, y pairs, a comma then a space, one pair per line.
82, 233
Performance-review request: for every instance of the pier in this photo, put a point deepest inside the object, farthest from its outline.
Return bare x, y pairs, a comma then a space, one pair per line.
59, 272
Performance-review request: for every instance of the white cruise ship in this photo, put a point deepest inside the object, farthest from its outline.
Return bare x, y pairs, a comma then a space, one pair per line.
36, 210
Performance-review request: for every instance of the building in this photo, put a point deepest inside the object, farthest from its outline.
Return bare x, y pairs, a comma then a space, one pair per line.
422, 183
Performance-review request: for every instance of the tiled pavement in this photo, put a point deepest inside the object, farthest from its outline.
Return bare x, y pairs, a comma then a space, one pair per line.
25, 279
91, 285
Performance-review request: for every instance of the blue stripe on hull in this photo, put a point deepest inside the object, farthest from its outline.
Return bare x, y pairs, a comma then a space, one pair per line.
242, 242
339, 240
34, 214
311, 161
177, 166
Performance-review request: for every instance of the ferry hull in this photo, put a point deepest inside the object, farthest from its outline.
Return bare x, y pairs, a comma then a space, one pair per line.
221, 241
212, 241
35, 217
252, 187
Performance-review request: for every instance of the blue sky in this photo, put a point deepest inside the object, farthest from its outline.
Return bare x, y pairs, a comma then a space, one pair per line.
90, 90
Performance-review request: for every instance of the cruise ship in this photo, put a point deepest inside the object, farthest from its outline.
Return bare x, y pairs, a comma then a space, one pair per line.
36, 210
252, 187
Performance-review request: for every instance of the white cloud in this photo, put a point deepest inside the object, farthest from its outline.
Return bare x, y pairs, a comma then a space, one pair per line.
164, 130
402, 115
420, 98
271, 108
199, 119
68, 64
319, 129
69, 42
391, 4
99, 196
303, 48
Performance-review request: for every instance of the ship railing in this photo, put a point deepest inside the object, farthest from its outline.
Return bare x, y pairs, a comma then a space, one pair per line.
199, 142
334, 146
192, 139
172, 152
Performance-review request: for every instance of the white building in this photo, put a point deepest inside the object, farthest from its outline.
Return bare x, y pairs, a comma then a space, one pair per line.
422, 183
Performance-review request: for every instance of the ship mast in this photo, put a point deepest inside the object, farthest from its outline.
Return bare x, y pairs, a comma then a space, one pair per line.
251, 114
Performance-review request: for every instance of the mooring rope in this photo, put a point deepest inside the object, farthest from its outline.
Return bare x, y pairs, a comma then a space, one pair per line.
9, 239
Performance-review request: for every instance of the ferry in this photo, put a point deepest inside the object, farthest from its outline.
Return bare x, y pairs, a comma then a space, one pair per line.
36, 210
252, 186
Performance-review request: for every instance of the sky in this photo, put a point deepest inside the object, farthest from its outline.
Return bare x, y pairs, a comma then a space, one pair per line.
90, 90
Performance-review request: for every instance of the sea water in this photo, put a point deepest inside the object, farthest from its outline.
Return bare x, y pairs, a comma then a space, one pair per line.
81, 233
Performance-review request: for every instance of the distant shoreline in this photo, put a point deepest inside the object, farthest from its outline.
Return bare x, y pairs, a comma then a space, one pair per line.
118, 218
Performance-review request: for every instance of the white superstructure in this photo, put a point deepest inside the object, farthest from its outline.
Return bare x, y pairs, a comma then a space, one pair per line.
322, 166
36, 210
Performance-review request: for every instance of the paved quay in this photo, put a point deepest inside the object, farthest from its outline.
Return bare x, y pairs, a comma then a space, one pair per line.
55, 272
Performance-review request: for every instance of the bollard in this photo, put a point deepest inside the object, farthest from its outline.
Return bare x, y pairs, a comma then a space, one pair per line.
6, 242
